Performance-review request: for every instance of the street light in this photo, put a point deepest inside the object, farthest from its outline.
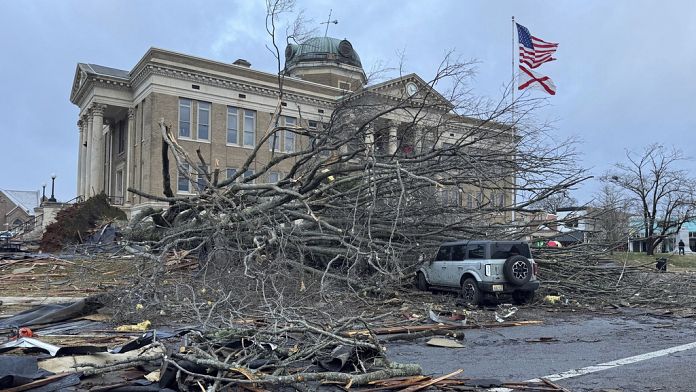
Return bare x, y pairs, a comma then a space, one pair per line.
53, 188
43, 192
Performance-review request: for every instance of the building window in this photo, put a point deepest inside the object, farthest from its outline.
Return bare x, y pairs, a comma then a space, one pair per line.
451, 197
249, 128
232, 125
290, 135
203, 120
119, 183
312, 125
231, 172
474, 200
121, 137
498, 199
248, 174
274, 142
344, 85
182, 184
184, 118
201, 179
273, 177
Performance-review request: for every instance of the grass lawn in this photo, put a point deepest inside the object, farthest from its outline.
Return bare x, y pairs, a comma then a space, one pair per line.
673, 260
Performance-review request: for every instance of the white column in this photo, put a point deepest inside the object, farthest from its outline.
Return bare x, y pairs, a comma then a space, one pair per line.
130, 144
97, 150
419, 141
393, 138
80, 157
369, 139
87, 164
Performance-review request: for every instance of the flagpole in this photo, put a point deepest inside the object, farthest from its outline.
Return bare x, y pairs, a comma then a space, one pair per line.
512, 111
512, 59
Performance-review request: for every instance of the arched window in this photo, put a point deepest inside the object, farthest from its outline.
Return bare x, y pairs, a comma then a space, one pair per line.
17, 222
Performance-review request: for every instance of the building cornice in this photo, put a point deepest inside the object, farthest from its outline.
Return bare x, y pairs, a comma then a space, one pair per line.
149, 69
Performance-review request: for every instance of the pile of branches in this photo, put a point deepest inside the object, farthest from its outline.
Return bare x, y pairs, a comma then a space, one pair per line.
73, 225
293, 352
583, 275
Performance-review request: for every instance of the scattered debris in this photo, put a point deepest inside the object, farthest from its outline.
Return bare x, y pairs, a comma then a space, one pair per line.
51, 313
505, 312
142, 326
442, 342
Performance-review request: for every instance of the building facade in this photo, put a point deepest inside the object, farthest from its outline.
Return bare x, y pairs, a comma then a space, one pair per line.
17, 208
220, 112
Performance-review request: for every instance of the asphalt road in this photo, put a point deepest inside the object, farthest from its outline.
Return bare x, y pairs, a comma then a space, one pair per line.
577, 341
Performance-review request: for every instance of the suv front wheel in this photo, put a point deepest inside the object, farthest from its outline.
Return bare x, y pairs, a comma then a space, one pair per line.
470, 292
421, 282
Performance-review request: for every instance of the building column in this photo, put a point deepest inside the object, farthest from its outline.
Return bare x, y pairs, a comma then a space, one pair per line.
130, 145
369, 139
393, 138
87, 164
80, 157
97, 150
419, 141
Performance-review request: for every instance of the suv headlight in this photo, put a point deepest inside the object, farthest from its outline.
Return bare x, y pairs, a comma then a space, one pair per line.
488, 270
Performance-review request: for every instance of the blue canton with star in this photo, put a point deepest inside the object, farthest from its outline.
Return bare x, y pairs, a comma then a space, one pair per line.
524, 36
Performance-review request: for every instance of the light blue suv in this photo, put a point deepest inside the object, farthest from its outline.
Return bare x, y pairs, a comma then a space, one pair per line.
478, 267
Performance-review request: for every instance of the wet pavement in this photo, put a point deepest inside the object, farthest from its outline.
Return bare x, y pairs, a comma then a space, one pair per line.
569, 341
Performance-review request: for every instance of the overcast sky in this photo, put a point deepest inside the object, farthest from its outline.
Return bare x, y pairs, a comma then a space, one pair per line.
625, 74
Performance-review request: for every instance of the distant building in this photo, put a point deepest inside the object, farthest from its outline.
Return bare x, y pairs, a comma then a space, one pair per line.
687, 233
17, 208
223, 110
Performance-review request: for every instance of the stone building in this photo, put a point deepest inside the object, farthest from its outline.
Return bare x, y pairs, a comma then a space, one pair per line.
17, 208
223, 110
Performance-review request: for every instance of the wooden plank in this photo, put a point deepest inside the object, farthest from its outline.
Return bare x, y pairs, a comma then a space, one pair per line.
38, 383
558, 387
37, 300
415, 388
433, 327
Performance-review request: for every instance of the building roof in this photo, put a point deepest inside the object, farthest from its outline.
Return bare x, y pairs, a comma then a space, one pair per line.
105, 71
690, 225
322, 49
26, 200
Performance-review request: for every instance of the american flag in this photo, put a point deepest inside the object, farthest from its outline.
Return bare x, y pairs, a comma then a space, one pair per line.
534, 51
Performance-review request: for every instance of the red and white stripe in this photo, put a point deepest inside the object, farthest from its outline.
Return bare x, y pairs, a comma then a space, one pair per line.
531, 79
542, 53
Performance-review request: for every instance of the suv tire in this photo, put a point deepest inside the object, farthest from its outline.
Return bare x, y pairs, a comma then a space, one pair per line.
517, 270
471, 294
421, 282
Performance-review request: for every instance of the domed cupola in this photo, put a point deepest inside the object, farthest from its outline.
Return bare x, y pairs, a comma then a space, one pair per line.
325, 60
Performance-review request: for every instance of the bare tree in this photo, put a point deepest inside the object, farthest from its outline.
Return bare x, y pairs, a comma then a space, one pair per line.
555, 201
662, 192
611, 212
362, 197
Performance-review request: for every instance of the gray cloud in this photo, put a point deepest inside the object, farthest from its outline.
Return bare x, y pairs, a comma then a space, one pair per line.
624, 71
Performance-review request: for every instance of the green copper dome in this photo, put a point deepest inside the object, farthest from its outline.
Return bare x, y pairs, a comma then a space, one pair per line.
321, 49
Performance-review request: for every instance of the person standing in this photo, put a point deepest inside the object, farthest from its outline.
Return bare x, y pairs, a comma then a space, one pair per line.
681, 247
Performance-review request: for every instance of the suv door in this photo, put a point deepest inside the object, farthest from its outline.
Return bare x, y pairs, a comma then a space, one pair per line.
455, 268
439, 265
476, 257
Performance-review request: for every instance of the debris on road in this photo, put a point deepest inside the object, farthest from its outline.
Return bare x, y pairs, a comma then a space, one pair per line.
442, 342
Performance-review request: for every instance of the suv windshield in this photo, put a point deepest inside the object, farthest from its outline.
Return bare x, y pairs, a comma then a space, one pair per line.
505, 250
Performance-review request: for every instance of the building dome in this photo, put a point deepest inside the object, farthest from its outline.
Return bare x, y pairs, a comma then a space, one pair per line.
321, 49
